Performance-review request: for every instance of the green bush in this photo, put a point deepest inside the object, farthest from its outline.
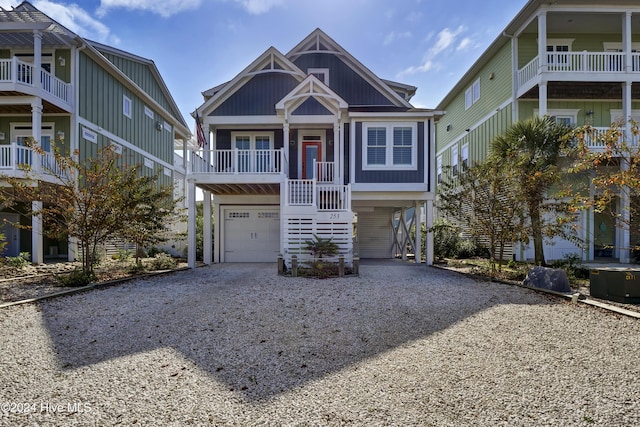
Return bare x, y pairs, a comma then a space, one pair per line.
572, 265
20, 261
163, 261
122, 255
446, 239
75, 278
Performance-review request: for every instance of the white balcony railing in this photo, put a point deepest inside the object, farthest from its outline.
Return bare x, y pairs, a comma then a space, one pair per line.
307, 192
579, 62
16, 71
14, 157
594, 140
237, 161
324, 172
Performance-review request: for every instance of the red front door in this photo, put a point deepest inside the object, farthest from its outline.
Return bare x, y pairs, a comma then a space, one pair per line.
310, 151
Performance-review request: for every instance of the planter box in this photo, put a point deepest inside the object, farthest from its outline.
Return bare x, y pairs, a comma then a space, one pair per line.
616, 284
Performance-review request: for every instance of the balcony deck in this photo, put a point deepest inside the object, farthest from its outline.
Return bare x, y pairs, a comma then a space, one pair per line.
16, 159
579, 66
18, 76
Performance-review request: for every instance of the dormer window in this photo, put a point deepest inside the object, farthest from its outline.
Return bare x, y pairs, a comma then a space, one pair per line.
321, 74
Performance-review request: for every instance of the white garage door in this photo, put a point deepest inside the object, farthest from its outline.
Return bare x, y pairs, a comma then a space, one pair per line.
251, 234
374, 233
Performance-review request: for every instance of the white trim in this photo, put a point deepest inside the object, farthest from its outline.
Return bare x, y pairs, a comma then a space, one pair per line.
323, 71
561, 112
149, 112
89, 135
617, 46
311, 132
127, 106
389, 145
617, 115
85, 124
455, 160
474, 126
148, 163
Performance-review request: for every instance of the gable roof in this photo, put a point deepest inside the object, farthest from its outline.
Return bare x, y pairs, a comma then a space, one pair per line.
320, 42
16, 31
311, 87
271, 61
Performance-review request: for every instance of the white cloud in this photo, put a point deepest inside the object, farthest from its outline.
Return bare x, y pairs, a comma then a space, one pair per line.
164, 8
8, 4
414, 16
393, 36
77, 20
257, 7
464, 44
444, 40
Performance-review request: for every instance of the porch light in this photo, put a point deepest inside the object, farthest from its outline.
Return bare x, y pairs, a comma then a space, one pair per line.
590, 113
61, 61
292, 142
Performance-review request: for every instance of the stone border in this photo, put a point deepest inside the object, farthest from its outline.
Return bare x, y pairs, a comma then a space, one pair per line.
89, 287
574, 297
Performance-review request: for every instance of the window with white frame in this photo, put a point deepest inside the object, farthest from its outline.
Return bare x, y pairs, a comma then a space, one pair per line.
321, 73
390, 146
472, 94
126, 106
565, 116
254, 151
454, 160
464, 157
22, 133
557, 52
439, 169
148, 112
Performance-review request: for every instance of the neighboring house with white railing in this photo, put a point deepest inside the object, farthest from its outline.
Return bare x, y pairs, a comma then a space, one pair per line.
576, 61
311, 143
59, 88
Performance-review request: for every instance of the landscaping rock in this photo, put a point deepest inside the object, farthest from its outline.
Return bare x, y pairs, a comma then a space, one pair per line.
553, 279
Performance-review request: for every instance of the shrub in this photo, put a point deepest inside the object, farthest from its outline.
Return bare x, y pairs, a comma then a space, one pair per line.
446, 239
122, 255
75, 278
20, 261
162, 261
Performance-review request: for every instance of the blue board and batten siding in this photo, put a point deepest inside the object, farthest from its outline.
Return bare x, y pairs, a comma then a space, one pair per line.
311, 107
343, 80
258, 96
386, 175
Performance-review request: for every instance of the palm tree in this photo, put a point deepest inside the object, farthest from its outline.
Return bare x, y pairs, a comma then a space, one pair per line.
533, 148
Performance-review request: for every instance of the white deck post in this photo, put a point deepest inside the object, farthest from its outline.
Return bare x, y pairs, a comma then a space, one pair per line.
206, 230
191, 225
418, 237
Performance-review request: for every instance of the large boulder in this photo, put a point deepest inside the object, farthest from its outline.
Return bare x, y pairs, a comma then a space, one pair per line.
553, 279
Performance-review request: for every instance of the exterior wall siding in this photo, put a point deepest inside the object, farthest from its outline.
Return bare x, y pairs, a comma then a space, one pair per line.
601, 109
311, 107
101, 102
389, 176
495, 89
343, 80
142, 76
258, 96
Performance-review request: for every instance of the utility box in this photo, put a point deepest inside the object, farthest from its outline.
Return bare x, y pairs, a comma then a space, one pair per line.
615, 284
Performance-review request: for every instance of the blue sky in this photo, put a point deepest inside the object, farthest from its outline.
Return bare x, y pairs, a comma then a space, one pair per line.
198, 44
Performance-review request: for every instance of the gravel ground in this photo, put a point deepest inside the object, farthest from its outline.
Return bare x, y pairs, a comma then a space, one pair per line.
237, 345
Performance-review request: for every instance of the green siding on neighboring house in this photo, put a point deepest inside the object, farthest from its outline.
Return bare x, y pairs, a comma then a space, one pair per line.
494, 92
141, 74
101, 102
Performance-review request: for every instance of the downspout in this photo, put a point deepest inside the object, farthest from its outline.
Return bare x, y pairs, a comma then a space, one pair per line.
514, 76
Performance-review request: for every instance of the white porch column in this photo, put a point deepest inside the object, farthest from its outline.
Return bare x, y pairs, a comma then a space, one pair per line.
418, 238
191, 225
626, 41
36, 234
37, 59
429, 241
285, 149
337, 175
216, 232
72, 252
542, 41
206, 229
625, 236
36, 129
542, 99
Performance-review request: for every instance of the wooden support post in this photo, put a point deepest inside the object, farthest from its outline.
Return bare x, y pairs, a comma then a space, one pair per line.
341, 266
280, 264
294, 266
356, 265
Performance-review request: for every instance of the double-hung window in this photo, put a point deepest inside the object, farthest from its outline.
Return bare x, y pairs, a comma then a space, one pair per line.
472, 94
454, 160
390, 146
464, 157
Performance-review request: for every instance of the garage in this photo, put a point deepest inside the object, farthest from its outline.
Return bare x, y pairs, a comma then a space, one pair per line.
374, 233
251, 234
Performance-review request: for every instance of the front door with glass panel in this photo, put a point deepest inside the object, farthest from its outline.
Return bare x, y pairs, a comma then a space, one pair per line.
311, 152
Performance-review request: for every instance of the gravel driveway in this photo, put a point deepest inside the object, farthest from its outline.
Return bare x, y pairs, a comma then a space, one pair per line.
235, 344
